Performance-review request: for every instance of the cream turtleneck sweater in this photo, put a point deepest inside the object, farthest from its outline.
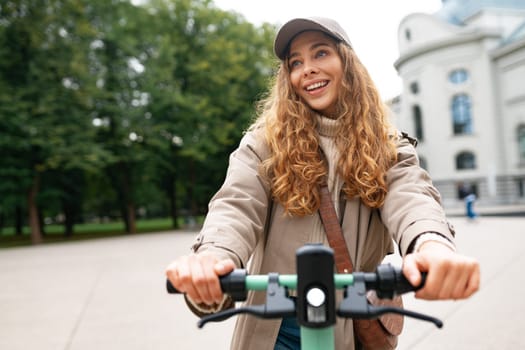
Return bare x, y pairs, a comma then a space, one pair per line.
327, 129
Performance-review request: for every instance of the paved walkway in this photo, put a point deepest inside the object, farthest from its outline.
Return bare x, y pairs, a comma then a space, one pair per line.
109, 294
488, 210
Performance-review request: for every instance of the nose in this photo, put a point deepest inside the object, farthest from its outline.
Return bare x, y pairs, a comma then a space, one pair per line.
309, 68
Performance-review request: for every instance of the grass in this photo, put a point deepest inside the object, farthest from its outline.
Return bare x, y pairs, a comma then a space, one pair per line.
55, 233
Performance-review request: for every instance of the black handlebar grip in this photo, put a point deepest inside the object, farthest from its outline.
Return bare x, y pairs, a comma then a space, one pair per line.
391, 281
233, 284
404, 286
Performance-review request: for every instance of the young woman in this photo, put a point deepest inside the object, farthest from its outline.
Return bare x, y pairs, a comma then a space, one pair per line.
323, 120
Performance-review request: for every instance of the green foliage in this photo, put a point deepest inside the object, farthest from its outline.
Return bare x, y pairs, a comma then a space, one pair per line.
120, 108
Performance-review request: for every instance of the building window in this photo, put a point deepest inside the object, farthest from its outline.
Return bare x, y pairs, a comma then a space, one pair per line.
414, 87
418, 122
461, 114
465, 160
458, 76
521, 143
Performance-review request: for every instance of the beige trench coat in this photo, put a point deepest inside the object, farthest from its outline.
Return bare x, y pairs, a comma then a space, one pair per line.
265, 240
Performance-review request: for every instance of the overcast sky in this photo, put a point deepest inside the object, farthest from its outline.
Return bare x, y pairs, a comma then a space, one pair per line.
371, 25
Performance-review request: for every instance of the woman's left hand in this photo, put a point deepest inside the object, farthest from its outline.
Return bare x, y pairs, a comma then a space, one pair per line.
449, 274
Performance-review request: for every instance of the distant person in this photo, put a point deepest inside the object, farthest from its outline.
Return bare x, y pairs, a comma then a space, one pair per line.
323, 120
470, 199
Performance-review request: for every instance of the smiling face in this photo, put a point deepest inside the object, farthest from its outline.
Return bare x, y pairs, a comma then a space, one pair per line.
316, 71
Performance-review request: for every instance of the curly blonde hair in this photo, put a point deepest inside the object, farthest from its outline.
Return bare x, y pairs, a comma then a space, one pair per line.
295, 168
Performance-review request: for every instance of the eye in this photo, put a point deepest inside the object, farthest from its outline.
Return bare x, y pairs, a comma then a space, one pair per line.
294, 63
321, 53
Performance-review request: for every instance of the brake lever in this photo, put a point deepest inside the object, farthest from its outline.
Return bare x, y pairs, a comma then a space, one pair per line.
278, 305
376, 311
256, 310
355, 305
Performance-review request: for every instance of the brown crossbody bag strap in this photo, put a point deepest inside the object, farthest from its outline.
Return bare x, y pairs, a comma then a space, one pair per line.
334, 233
378, 334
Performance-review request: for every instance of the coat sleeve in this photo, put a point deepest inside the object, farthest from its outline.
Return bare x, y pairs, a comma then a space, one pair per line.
412, 205
237, 212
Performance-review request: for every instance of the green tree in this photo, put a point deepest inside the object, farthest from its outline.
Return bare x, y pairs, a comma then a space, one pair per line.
204, 72
102, 96
44, 101
118, 50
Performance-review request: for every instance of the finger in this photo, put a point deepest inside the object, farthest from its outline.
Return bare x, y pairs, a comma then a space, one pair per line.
224, 267
220, 268
474, 281
200, 279
172, 276
211, 277
460, 288
452, 282
179, 275
170, 272
457, 280
433, 283
411, 270
185, 280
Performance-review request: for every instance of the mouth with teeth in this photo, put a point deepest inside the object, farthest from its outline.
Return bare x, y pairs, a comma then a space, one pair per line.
317, 85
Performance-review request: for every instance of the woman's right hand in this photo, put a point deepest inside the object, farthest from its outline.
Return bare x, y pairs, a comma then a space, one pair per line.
197, 275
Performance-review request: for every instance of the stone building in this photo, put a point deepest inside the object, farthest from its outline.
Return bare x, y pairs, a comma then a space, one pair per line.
463, 73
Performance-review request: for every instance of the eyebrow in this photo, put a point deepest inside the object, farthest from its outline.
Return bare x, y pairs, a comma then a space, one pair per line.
312, 47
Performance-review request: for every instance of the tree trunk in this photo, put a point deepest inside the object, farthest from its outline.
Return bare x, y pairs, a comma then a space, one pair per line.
69, 218
127, 198
192, 181
34, 221
72, 185
131, 217
41, 222
124, 215
172, 196
120, 178
19, 221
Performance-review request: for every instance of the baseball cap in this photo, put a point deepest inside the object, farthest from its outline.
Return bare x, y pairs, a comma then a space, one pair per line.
297, 25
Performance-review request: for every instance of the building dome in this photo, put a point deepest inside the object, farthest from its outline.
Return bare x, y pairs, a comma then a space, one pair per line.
457, 11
